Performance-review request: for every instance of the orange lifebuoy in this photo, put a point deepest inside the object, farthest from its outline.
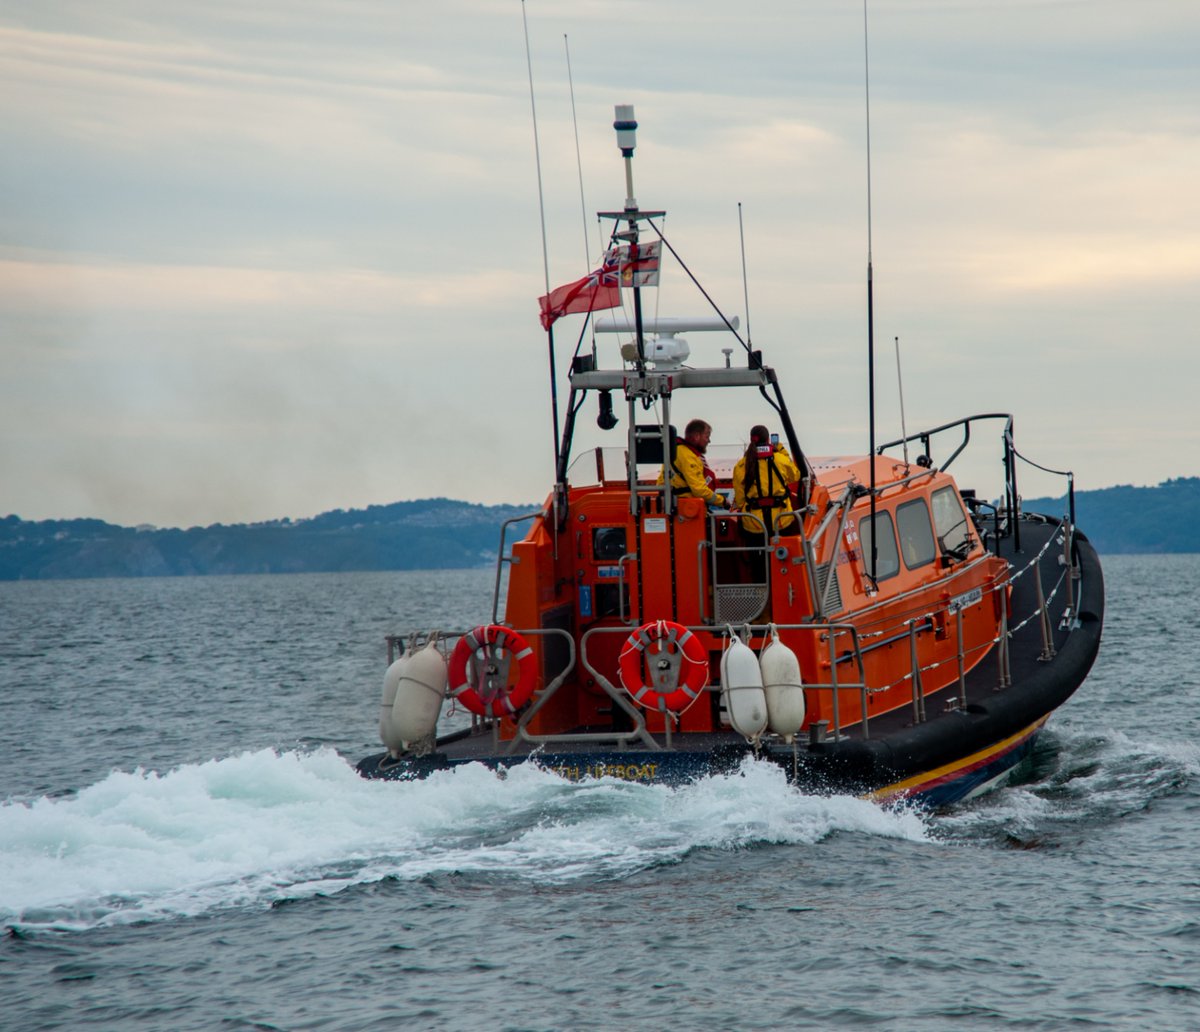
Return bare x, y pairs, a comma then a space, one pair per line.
675, 655
487, 652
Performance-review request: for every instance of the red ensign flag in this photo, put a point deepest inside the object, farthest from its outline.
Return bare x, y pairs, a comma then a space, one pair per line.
589, 294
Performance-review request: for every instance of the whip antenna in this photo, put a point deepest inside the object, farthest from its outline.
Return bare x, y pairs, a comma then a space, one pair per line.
559, 492
870, 298
537, 158
745, 287
587, 255
900, 385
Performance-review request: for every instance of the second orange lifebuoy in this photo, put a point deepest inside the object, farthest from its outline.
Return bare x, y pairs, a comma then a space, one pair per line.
678, 665
488, 650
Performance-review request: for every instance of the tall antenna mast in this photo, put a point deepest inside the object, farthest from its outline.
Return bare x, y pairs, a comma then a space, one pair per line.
587, 255
900, 385
745, 287
870, 300
559, 490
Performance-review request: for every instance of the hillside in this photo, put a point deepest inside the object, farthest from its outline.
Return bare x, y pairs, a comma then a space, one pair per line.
435, 532
439, 533
1135, 520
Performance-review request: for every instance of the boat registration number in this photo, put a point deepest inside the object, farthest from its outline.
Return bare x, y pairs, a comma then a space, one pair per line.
968, 598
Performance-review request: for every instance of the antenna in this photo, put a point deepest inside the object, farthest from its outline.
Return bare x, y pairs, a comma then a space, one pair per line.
745, 287
559, 489
900, 384
870, 300
587, 255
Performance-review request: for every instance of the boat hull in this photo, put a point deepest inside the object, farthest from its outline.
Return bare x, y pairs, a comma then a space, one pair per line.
937, 787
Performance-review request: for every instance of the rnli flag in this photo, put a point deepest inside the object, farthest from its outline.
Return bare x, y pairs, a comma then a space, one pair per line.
636, 264
596, 291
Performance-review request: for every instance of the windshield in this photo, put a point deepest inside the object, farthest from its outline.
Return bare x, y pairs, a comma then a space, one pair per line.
598, 465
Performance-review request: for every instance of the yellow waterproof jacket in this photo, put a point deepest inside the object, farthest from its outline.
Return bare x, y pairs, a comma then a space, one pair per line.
687, 474
767, 498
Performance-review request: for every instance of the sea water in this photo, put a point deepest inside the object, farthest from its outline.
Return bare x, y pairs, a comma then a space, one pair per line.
184, 843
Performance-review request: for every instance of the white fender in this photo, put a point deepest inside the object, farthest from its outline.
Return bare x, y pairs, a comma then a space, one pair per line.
742, 689
784, 689
391, 679
420, 690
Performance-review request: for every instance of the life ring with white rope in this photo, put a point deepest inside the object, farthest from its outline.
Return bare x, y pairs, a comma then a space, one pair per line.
479, 667
677, 664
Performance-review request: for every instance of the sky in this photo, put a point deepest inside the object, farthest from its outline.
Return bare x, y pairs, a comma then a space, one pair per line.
264, 261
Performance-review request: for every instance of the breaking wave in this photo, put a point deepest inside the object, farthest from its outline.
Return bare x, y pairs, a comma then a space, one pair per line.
254, 829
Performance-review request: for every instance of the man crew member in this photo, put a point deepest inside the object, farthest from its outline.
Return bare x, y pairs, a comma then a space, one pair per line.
690, 475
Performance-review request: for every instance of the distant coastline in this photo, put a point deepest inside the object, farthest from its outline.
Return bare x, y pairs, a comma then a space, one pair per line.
441, 533
432, 533
1128, 520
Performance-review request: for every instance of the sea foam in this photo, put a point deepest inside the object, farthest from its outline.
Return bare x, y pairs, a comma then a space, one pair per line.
252, 829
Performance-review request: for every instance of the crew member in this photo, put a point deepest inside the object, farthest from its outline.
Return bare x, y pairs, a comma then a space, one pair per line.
761, 482
690, 475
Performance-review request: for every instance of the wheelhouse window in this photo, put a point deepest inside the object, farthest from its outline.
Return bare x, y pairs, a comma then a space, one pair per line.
887, 560
951, 522
916, 534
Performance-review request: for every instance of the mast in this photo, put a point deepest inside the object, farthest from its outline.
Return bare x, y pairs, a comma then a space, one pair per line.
626, 127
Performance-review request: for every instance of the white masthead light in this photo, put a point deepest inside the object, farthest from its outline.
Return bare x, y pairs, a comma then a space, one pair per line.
626, 127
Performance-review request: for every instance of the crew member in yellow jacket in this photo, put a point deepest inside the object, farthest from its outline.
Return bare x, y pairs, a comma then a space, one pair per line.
761, 480
690, 475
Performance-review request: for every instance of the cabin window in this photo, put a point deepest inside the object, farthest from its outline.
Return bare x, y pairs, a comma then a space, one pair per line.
887, 561
916, 534
953, 527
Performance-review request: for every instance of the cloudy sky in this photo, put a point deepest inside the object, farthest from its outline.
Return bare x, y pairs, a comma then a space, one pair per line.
268, 260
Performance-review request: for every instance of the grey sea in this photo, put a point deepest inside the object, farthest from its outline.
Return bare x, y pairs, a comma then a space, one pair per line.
184, 843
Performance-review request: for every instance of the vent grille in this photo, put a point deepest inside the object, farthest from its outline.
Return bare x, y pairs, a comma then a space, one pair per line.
835, 592
737, 603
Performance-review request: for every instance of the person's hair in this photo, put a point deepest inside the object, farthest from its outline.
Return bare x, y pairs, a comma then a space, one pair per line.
695, 428
759, 436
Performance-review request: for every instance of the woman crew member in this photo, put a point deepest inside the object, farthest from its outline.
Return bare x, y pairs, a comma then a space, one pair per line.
761, 482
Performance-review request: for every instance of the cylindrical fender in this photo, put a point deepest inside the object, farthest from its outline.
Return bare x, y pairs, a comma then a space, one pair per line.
677, 664
783, 689
479, 671
742, 687
391, 679
419, 694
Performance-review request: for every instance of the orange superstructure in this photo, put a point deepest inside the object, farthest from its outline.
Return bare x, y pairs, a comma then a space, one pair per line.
936, 592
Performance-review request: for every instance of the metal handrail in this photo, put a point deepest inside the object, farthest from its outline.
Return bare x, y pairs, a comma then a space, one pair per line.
830, 633
1003, 637
710, 542
1011, 454
501, 559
